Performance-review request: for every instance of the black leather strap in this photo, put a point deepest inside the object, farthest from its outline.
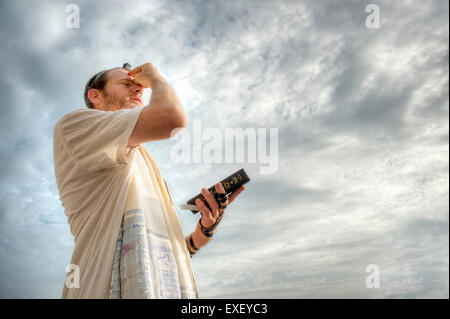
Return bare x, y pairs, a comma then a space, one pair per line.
206, 231
191, 253
192, 244
222, 199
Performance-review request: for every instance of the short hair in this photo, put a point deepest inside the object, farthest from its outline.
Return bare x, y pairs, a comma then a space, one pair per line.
98, 81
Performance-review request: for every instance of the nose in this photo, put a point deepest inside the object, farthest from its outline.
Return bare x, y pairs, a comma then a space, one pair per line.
138, 89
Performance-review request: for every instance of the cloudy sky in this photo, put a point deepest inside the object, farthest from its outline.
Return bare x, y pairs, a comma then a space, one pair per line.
363, 144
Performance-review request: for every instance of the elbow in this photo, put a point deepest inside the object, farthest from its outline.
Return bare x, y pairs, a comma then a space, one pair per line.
179, 121
182, 122
177, 124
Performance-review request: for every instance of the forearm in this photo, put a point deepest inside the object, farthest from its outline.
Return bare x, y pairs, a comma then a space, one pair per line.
198, 238
165, 97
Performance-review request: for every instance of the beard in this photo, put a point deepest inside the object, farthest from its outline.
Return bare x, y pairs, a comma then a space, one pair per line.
116, 102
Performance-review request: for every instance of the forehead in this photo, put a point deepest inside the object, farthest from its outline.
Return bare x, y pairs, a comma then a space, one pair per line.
118, 74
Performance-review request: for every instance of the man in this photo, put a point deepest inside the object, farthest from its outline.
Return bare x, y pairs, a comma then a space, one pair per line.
128, 239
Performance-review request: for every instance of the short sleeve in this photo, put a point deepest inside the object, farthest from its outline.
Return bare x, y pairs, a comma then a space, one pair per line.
97, 140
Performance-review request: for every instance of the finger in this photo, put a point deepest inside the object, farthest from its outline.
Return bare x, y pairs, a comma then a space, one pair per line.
142, 80
235, 194
221, 190
135, 71
211, 201
206, 213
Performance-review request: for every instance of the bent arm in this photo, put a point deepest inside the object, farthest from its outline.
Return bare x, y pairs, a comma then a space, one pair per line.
158, 119
165, 98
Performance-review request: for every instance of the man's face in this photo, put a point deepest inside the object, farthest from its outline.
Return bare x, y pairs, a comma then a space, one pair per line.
120, 92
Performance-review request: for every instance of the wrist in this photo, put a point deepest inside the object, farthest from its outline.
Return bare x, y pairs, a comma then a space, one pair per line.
200, 237
197, 240
157, 79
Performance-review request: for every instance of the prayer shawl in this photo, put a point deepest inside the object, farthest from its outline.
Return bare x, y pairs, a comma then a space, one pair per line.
101, 183
144, 264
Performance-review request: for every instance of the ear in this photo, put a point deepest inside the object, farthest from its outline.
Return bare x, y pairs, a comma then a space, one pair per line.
95, 96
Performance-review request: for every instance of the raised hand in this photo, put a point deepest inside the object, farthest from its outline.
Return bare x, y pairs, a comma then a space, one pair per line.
144, 74
212, 216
